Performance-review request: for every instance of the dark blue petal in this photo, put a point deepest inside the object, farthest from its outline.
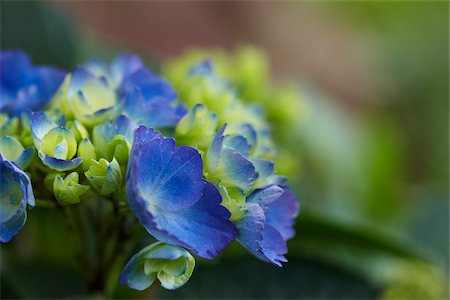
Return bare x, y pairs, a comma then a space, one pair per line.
24, 87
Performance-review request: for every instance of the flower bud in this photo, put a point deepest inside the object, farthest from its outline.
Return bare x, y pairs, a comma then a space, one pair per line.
172, 265
105, 176
68, 190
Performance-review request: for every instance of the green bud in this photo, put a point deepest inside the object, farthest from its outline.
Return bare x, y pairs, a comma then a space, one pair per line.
172, 265
105, 176
60, 143
78, 130
118, 148
87, 152
68, 190
234, 200
8, 126
197, 128
50, 179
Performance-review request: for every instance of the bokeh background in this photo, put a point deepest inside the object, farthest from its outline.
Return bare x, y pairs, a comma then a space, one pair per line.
366, 149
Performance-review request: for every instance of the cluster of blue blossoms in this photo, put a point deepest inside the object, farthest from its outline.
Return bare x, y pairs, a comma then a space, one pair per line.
191, 159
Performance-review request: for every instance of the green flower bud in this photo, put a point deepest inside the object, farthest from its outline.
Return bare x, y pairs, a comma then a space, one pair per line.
60, 143
197, 128
105, 176
234, 200
172, 265
50, 179
78, 130
119, 149
87, 152
8, 126
68, 190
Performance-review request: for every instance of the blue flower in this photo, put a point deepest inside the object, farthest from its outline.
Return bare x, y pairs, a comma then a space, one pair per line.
149, 100
167, 193
25, 87
15, 193
268, 223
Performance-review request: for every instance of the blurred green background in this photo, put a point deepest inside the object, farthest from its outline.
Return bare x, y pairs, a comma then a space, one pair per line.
366, 152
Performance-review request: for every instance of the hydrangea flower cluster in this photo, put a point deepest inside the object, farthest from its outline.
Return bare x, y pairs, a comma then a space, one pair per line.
190, 160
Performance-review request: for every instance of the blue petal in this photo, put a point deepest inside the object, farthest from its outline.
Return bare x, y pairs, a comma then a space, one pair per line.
133, 275
215, 149
80, 76
266, 195
49, 80
265, 236
234, 169
60, 164
250, 229
281, 213
9, 229
14, 183
239, 144
273, 245
260, 238
25, 87
40, 125
204, 228
166, 175
25, 157
121, 125
125, 64
156, 112
152, 87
